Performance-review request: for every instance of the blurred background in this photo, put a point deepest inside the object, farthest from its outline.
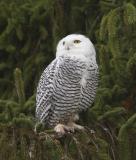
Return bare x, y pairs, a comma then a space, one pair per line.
29, 32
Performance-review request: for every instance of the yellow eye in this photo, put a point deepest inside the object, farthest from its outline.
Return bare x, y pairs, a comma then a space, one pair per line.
77, 41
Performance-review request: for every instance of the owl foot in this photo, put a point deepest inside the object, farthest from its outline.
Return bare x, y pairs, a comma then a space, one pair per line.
60, 130
75, 126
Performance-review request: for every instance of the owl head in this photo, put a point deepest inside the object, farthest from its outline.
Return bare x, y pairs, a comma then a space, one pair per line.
76, 45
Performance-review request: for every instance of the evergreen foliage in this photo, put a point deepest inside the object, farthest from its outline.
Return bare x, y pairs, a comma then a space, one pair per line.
29, 32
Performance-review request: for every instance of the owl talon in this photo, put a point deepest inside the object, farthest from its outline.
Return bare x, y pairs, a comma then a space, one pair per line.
75, 126
78, 127
69, 129
59, 129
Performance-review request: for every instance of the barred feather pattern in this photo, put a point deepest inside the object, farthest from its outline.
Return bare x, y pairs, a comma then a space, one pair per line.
66, 87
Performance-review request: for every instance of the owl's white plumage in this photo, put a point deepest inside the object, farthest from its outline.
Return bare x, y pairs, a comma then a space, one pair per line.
68, 85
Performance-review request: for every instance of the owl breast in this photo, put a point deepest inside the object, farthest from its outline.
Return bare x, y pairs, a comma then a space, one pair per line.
73, 90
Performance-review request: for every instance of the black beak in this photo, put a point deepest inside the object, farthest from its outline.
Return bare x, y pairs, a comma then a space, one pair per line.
68, 48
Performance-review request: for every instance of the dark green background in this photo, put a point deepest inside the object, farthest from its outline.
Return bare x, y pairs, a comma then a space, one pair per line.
29, 32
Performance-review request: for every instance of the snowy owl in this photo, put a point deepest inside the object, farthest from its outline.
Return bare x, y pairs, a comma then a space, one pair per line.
68, 84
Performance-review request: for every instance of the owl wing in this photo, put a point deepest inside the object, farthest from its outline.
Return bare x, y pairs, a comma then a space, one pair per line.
89, 91
45, 91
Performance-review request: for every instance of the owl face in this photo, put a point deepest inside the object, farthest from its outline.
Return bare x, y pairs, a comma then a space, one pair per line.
75, 45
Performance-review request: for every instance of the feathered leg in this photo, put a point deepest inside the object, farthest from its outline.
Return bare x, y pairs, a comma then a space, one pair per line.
62, 129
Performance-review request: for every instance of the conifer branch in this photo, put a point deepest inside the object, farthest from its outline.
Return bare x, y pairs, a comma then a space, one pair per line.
19, 84
123, 138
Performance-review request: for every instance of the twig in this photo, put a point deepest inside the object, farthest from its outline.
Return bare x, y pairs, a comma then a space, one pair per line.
78, 148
